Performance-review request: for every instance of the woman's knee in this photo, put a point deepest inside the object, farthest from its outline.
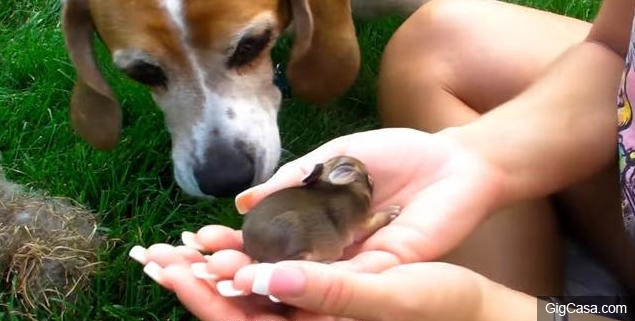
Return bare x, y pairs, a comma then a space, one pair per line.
437, 25
417, 66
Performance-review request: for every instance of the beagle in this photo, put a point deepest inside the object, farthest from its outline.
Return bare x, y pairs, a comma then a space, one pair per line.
208, 66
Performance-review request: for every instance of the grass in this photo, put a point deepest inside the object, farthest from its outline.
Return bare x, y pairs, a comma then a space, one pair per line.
132, 187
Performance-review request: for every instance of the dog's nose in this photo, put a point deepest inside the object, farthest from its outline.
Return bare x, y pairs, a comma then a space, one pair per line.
227, 171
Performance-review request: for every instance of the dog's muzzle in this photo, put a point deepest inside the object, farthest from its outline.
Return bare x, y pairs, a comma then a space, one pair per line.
227, 170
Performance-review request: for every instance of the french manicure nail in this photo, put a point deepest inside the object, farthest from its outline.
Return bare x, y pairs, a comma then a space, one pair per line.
153, 270
274, 299
226, 288
262, 278
138, 253
189, 240
287, 281
199, 270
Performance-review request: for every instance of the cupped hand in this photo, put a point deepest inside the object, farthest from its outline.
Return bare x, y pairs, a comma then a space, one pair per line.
444, 189
313, 291
195, 278
417, 291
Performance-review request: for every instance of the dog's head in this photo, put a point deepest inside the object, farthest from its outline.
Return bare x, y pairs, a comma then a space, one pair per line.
208, 65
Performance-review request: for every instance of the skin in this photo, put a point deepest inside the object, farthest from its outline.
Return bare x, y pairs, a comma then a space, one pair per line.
461, 163
443, 97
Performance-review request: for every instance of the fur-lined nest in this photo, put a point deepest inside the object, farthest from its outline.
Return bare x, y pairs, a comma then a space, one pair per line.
48, 246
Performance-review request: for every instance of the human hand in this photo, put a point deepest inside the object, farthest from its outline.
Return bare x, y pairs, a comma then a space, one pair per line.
420, 291
194, 277
445, 190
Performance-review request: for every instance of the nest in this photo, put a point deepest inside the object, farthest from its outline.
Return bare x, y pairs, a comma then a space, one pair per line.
48, 246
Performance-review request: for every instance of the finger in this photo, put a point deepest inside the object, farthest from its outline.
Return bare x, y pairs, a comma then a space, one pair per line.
197, 295
316, 287
139, 254
189, 254
312, 316
290, 174
221, 265
165, 254
213, 238
369, 262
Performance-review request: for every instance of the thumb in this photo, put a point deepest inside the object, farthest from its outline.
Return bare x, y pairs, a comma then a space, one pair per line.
319, 288
290, 174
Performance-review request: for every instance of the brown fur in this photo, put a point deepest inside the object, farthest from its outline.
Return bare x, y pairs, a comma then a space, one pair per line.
324, 63
315, 221
326, 66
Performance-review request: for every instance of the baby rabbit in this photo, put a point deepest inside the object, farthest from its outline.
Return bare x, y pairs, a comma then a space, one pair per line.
316, 221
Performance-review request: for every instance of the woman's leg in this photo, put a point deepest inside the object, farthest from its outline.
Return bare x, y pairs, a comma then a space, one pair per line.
593, 214
454, 60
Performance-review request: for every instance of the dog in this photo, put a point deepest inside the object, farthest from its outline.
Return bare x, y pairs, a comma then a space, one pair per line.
208, 65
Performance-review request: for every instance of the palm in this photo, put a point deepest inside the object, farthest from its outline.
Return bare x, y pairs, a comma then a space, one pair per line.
246, 308
209, 306
444, 190
200, 296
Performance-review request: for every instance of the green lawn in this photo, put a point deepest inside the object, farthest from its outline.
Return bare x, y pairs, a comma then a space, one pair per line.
132, 187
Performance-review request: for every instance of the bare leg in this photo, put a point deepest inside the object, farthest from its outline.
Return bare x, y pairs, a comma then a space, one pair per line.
449, 63
455, 59
593, 212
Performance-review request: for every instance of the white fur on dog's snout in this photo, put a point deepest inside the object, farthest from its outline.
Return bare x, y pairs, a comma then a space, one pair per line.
252, 125
249, 121
211, 102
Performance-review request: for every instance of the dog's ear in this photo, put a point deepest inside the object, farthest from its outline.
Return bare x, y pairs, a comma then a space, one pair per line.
325, 58
95, 113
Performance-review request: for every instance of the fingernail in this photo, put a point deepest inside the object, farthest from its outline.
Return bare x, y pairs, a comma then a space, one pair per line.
138, 253
274, 299
243, 198
153, 270
207, 257
189, 240
281, 280
226, 288
262, 278
287, 281
199, 270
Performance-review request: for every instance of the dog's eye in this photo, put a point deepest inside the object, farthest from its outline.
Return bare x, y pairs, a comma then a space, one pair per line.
248, 49
147, 74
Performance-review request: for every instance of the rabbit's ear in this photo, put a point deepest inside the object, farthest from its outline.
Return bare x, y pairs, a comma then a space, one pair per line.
315, 174
343, 174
